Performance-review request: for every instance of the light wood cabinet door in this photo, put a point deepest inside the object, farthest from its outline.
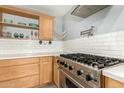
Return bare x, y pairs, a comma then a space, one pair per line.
25, 82
111, 83
13, 72
56, 72
46, 28
19, 73
18, 62
45, 70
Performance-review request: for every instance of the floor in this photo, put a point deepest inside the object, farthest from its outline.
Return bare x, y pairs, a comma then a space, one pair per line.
50, 86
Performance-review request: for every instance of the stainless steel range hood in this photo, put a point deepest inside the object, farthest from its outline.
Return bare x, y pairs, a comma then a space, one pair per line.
87, 10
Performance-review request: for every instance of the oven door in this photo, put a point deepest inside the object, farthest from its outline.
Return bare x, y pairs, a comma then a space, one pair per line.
67, 82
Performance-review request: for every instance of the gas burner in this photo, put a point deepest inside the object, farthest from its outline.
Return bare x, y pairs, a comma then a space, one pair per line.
98, 62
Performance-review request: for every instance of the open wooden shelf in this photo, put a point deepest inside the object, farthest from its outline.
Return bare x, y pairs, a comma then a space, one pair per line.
18, 26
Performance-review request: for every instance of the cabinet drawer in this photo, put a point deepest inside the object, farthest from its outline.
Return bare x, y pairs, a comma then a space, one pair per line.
25, 82
111, 83
14, 62
46, 59
12, 72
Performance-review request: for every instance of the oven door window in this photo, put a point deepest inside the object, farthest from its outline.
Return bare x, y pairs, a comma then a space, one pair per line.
69, 83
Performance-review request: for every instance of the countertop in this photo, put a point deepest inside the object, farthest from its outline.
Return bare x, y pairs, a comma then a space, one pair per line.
26, 55
116, 72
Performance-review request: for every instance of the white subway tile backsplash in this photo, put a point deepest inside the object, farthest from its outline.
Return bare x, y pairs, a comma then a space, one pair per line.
111, 44
11, 46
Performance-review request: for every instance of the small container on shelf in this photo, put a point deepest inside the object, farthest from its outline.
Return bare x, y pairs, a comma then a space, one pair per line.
9, 35
36, 35
8, 20
27, 37
21, 35
4, 34
33, 25
20, 23
32, 34
16, 35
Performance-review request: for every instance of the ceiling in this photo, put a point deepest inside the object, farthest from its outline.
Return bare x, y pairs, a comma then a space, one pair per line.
54, 10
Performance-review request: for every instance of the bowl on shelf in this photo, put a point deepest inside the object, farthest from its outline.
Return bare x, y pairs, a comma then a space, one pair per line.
8, 20
33, 25
20, 23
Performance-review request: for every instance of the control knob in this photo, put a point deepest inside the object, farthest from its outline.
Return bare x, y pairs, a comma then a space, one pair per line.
66, 65
80, 72
71, 67
57, 61
62, 62
89, 78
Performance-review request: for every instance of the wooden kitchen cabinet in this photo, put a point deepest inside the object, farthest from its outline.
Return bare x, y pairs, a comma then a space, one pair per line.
45, 70
111, 83
56, 72
45, 27
18, 73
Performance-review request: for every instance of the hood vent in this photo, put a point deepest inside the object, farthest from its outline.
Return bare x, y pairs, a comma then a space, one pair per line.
87, 10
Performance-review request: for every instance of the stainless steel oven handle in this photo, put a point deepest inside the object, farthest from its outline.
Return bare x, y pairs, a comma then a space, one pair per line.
79, 85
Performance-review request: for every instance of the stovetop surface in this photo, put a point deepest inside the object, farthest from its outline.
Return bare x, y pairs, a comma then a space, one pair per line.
93, 60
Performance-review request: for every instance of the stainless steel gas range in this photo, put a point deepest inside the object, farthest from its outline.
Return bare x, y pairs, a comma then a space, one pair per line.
83, 70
